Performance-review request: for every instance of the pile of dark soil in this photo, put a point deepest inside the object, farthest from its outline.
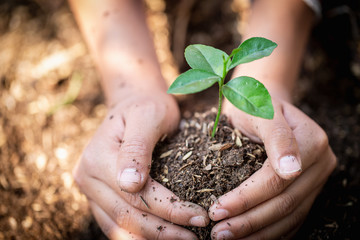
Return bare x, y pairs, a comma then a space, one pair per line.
198, 168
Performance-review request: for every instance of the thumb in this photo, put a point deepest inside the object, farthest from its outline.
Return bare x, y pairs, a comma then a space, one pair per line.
135, 153
280, 144
278, 137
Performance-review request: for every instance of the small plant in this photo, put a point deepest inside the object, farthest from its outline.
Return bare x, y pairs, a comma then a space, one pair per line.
210, 65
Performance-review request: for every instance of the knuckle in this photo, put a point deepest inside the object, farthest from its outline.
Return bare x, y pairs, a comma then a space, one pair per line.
322, 145
170, 214
286, 204
106, 228
281, 136
332, 163
134, 200
122, 216
280, 131
243, 203
247, 226
321, 140
135, 147
79, 178
138, 201
88, 161
296, 219
275, 184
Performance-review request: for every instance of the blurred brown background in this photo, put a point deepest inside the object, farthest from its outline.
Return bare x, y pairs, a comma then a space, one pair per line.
51, 105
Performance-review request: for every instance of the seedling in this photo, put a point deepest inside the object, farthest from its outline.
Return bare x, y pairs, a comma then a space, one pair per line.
210, 65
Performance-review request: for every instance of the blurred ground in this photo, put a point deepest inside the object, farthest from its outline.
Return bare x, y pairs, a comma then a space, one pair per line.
51, 105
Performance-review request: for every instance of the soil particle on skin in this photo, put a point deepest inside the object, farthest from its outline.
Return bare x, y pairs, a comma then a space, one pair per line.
198, 168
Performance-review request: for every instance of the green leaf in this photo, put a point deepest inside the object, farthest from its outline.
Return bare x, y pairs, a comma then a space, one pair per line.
205, 58
192, 81
250, 96
252, 49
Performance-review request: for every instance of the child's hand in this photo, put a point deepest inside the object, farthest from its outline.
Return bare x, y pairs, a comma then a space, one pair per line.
274, 201
113, 173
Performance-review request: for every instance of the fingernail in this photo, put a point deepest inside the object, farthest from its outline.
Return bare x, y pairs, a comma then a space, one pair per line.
289, 164
219, 214
198, 221
129, 177
225, 234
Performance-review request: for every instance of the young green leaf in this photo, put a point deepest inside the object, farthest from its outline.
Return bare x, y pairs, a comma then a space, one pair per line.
192, 81
205, 58
252, 49
250, 96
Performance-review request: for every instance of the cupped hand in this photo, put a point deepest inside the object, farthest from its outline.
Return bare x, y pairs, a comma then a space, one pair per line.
274, 201
113, 173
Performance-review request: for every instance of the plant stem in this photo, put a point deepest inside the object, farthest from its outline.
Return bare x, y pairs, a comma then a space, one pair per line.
219, 111
221, 83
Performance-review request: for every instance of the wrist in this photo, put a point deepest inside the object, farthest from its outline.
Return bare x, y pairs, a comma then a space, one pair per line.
126, 92
118, 86
288, 23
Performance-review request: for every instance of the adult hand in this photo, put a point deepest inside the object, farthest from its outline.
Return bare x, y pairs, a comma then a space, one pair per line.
275, 200
113, 173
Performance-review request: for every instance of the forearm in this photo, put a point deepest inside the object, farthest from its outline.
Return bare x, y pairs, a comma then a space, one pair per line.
120, 42
288, 23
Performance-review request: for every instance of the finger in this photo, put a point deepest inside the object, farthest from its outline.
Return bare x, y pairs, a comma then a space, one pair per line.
140, 137
153, 198
160, 201
136, 221
242, 229
280, 143
288, 226
274, 210
109, 227
312, 140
